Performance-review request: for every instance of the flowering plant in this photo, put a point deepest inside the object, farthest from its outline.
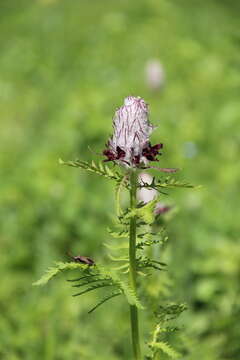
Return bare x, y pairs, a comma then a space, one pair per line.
131, 149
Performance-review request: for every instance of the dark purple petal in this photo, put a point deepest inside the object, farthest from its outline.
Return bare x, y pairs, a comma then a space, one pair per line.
150, 152
136, 160
109, 154
120, 153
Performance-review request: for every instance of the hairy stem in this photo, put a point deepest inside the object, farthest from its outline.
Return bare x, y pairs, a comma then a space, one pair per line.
133, 267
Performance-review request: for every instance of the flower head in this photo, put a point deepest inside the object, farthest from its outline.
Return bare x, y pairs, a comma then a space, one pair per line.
129, 144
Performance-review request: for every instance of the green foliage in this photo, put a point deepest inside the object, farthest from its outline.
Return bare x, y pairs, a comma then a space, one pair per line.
109, 297
54, 270
169, 312
119, 234
159, 344
119, 186
145, 262
61, 80
145, 212
149, 238
99, 169
105, 278
166, 183
166, 348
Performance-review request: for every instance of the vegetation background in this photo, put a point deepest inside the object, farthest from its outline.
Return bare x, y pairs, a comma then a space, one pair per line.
65, 65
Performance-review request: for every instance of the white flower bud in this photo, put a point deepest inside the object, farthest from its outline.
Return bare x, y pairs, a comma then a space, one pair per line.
146, 194
130, 143
155, 75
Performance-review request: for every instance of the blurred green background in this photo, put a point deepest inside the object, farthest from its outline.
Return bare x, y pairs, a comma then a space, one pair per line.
65, 65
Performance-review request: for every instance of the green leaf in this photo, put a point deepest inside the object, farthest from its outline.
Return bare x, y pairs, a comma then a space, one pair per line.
118, 234
150, 239
124, 286
94, 287
112, 277
54, 270
168, 182
99, 169
169, 312
90, 281
166, 348
112, 295
149, 263
119, 186
114, 258
145, 212
116, 247
130, 295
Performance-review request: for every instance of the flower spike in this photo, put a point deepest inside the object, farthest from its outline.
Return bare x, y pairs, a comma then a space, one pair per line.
130, 144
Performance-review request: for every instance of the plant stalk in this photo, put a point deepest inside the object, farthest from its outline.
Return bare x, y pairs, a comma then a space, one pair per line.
133, 267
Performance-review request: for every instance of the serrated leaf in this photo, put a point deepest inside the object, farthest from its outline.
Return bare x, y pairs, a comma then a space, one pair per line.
149, 263
96, 270
90, 281
98, 169
168, 182
54, 270
118, 234
125, 287
166, 348
145, 212
119, 186
170, 311
115, 258
131, 296
94, 287
116, 247
109, 297
149, 239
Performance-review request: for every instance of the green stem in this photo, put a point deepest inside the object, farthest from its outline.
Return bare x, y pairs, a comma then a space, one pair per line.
133, 266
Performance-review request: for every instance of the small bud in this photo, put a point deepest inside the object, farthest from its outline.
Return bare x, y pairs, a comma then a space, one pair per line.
161, 209
155, 75
146, 194
130, 143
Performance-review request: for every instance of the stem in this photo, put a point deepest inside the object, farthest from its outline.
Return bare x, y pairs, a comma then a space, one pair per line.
132, 267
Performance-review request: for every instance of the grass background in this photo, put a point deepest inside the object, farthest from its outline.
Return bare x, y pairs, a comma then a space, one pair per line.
65, 65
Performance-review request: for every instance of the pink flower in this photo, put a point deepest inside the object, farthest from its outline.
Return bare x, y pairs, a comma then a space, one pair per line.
130, 144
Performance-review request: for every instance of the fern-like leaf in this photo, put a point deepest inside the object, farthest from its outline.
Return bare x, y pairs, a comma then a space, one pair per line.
144, 213
168, 182
118, 258
54, 270
89, 276
90, 282
149, 263
116, 247
94, 287
150, 239
95, 270
166, 348
130, 295
169, 312
120, 184
98, 169
118, 234
109, 297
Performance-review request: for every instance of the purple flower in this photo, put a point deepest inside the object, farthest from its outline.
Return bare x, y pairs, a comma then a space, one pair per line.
129, 144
